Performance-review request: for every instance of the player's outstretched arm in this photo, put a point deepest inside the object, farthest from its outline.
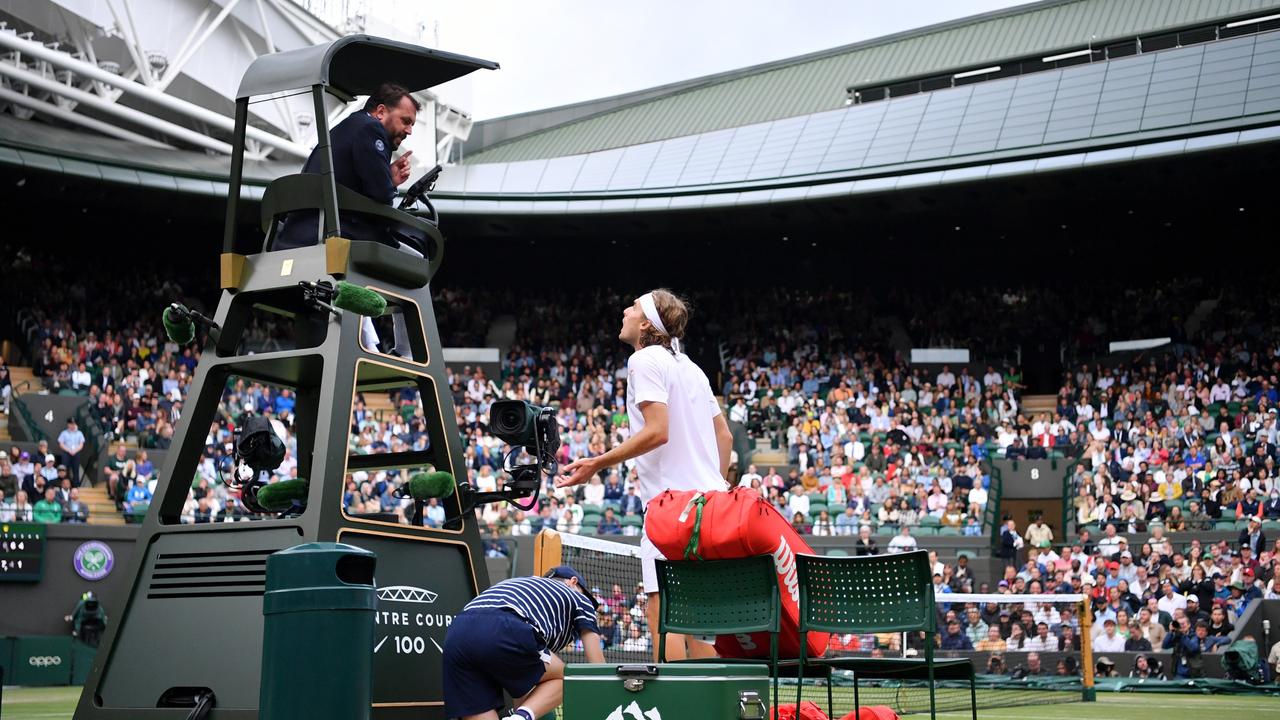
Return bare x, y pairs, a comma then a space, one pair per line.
593, 646
653, 435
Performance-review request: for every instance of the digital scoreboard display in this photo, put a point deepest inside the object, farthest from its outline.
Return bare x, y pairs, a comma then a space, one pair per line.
21, 552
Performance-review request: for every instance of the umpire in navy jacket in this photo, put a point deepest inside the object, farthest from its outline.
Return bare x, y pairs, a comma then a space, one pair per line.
361, 146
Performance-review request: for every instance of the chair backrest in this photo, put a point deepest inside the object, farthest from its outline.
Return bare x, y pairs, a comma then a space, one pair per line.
871, 593
720, 597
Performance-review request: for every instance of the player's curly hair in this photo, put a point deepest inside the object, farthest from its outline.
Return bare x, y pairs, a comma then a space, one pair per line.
674, 312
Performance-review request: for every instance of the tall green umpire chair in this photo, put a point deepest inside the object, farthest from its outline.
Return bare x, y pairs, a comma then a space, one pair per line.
875, 593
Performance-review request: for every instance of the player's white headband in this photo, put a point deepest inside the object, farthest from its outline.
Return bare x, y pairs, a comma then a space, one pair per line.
650, 309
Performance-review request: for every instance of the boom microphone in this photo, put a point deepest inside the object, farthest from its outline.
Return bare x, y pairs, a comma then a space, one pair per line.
423, 486
280, 496
178, 325
359, 300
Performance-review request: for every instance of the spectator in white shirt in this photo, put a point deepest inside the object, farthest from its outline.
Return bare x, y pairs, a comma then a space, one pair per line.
945, 378
1109, 640
992, 378
1171, 600
903, 542
749, 477
797, 502
1043, 641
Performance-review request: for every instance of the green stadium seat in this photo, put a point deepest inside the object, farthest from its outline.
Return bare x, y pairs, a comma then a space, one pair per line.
1224, 525
632, 521
720, 597
870, 594
949, 531
592, 508
930, 521
1242, 524
923, 531
887, 530
837, 552
613, 505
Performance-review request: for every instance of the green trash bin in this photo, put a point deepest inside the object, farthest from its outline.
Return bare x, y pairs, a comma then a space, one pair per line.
317, 658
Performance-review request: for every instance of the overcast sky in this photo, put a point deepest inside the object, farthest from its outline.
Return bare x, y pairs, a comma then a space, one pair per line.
555, 52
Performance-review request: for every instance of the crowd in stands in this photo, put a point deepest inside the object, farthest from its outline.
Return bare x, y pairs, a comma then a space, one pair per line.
878, 450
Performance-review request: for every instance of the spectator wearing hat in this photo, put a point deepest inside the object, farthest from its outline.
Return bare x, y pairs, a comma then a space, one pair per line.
1193, 610
1109, 640
1127, 570
955, 638
1145, 667
1105, 667
1221, 588
1252, 537
1243, 592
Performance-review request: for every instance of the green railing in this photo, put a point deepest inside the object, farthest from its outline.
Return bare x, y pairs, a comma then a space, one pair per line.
1068, 498
33, 429
991, 516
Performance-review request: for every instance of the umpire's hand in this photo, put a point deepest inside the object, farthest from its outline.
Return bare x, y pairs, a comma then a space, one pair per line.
400, 169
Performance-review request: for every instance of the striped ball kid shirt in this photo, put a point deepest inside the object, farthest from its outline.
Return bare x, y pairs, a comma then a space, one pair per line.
557, 612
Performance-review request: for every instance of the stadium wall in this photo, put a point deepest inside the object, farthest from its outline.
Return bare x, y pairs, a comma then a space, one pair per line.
39, 608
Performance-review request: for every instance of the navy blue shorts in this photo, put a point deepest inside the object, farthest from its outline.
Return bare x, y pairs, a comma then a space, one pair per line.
485, 652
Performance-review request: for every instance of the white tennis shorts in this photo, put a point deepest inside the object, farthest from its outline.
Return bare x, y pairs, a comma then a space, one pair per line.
648, 568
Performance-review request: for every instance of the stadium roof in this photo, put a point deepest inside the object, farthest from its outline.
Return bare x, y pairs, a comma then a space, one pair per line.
818, 81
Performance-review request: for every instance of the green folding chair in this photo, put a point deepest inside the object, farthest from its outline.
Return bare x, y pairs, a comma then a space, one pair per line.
720, 597
875, 593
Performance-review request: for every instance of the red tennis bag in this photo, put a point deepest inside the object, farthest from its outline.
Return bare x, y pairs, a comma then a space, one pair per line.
736, 523
807, 711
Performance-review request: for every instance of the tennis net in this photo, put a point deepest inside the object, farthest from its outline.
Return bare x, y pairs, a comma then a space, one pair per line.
613, 571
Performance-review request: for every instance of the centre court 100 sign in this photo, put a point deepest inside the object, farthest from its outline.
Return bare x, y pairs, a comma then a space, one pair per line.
21, 552
421, 587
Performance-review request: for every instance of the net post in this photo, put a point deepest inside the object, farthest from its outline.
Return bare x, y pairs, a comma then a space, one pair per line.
548, 552
1088, 693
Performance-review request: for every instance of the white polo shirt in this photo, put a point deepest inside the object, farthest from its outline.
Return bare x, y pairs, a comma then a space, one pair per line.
690, 459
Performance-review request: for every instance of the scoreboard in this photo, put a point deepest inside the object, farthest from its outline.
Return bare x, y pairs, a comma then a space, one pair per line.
21, 552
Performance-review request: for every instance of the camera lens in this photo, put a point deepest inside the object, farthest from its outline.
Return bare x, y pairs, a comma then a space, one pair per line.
510, 419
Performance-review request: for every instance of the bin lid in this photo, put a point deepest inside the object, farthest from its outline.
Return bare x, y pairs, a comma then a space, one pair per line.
318, 569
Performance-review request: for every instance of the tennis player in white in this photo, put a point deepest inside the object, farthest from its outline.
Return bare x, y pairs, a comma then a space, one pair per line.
680, 439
